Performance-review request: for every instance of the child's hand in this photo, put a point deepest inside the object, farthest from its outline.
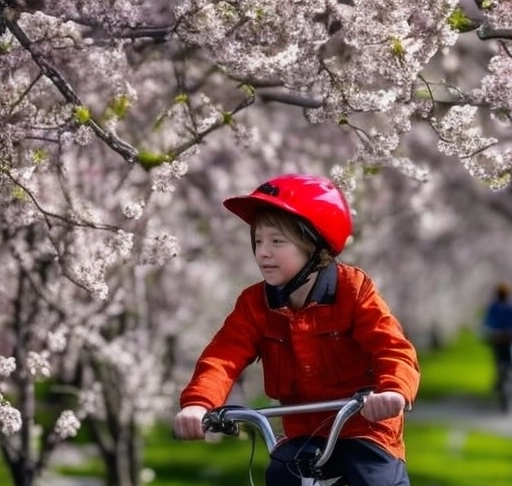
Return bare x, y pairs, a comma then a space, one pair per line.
188, 423
384, 405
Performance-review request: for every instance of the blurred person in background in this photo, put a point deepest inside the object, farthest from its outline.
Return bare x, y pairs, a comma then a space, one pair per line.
497, 329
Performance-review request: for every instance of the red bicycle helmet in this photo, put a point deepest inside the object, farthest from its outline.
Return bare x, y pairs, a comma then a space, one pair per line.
314, 198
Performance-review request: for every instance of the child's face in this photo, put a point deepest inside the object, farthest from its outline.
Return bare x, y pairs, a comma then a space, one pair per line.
278, 258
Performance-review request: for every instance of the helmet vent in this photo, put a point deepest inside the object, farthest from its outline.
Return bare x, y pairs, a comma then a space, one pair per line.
269, 189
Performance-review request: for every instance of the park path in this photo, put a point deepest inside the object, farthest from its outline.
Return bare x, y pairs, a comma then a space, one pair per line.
70, 456
464, 412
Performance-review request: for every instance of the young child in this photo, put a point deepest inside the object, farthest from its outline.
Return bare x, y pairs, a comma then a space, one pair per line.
321, 331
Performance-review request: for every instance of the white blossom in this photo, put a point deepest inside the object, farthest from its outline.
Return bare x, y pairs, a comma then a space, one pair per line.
345, 177
122, 244
10, 419
83, 136
165, 176
459, 133
7, 366
159, 249
67, 425
39, 364
57, 339
91, 401
133, 210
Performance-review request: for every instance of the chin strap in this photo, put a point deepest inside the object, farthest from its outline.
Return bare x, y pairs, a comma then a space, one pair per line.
303, 276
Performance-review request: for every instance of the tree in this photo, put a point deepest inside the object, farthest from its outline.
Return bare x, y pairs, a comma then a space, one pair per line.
123, 124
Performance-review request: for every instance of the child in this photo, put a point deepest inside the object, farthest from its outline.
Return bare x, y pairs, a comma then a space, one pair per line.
322, 332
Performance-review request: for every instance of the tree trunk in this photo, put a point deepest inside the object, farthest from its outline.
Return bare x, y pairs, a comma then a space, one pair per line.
21, 474
122, 455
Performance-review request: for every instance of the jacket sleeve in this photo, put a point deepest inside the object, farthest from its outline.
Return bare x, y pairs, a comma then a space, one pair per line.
220, 364
394, 360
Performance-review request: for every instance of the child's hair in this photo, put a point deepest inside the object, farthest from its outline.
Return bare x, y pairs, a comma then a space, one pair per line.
290, 226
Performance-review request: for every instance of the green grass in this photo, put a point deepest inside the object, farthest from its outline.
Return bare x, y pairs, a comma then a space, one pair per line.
438, 454
462, 367
5, 477
444, 456
206, 464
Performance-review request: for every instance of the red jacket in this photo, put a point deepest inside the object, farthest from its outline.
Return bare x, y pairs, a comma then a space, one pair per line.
344, 339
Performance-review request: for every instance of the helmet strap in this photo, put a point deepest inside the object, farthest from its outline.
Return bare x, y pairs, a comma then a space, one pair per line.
311, 265
302, 276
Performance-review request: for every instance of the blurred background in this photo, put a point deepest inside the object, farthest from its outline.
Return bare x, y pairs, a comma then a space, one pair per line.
116, 269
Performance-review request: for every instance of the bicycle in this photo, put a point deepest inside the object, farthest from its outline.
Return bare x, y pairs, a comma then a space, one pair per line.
227, 420
505, 387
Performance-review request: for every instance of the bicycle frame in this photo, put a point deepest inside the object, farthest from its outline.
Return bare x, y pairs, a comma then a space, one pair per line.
504, 387
226, 419
501, 344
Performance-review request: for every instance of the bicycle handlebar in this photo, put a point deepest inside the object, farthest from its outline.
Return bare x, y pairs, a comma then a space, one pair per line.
226, 419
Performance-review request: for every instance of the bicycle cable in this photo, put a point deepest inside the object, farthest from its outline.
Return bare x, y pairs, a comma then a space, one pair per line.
296, 460
252, 434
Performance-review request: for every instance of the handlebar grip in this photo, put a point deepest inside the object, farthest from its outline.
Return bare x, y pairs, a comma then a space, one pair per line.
215, 421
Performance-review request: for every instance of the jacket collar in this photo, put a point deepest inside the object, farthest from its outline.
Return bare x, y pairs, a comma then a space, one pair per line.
323, 292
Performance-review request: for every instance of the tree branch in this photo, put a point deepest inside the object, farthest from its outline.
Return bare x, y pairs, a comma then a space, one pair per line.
290, 99
48, 214
485, 32
128, 152
159, 34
